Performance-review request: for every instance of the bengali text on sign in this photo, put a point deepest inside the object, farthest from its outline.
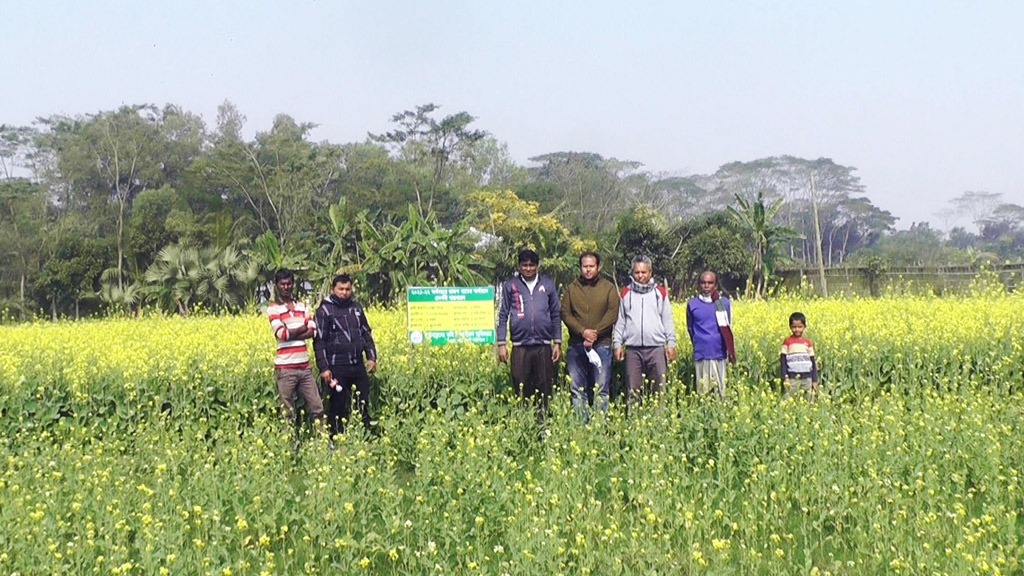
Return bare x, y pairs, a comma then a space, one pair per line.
451, 314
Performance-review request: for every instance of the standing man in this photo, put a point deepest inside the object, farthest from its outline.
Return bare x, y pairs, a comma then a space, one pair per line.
590, 307
292, 326
646, 328
343, 338
529, 313
709, 322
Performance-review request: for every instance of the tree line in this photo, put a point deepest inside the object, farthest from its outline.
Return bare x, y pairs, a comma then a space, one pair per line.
148, 206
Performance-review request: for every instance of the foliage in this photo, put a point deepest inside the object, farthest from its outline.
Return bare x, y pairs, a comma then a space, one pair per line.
642, 231
185, 277
138, 178
281, 177
711, 243
417, 252
1000, 233
433, 149
591, 189
921, 245
108, 157
23, 223
164, 453
848, 220
339, 248
508, 224
765, 239
73, 271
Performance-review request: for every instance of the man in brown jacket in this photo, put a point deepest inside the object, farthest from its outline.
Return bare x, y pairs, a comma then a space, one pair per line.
590, 307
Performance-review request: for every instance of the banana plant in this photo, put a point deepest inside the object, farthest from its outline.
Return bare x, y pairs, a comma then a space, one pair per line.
765, 238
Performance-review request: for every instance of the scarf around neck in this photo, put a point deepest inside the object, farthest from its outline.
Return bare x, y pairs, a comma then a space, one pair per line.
642, 288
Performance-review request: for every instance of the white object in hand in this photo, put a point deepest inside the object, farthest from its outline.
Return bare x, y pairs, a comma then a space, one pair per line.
594, 358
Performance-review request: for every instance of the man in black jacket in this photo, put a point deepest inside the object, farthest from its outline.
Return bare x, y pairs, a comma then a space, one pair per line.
343, 337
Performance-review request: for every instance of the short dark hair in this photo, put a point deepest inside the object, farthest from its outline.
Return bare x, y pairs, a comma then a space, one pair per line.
527, 255
701, 277
284, 274
341, 279
797, 316
589, 254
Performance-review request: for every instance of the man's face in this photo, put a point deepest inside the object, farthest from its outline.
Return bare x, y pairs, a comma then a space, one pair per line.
641, 272
284, 288
589, 267
342, 290
528, 270
707, 283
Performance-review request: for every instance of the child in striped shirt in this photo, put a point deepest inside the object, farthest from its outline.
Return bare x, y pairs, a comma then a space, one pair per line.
798, 365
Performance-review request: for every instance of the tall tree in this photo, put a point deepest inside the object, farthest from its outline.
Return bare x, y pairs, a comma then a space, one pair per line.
979, 206
72, 272
107, 158
488, 165
434, 147
788, 178
16, 151
592, 190
370, 177
920, 245
643, 231
711, 241
282, 177
23, 217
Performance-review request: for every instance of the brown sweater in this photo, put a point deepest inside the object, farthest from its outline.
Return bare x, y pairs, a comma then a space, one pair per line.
593, 304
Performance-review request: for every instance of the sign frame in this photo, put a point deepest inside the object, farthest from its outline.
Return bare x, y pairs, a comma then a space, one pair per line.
439, 315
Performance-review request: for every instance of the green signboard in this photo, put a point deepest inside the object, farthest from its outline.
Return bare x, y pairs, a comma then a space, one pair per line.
457, 314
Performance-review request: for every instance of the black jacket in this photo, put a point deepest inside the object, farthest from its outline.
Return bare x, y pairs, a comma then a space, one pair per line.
342, 334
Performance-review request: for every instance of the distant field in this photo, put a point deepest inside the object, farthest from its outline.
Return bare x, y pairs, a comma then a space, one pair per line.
151, 446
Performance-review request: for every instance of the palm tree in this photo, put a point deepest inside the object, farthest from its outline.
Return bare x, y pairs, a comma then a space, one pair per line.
171, 278
182, 277
124, 298
224, 276
766, 238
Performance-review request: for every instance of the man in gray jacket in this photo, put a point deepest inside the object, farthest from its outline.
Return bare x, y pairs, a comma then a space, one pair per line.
646, 328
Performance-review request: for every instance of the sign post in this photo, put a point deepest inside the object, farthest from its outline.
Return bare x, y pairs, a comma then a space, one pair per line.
445, 315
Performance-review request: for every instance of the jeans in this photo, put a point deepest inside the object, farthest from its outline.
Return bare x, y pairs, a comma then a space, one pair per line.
585, 377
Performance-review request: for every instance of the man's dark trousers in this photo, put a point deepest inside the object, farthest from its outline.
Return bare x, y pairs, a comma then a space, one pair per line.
532, 373
340, 408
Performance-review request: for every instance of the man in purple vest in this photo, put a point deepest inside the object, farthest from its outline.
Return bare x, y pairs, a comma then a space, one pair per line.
709, 323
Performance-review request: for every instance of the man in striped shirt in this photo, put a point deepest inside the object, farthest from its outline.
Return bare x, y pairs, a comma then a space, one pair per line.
293, 325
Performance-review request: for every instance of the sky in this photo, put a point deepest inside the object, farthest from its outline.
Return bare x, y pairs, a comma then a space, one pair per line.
924, 98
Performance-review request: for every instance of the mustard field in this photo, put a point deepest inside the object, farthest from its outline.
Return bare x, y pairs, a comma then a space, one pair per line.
153, 446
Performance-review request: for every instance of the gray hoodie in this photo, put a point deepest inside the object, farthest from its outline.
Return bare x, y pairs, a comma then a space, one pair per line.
645, 317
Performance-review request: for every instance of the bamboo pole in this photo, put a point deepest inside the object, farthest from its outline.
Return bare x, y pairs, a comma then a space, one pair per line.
817, 237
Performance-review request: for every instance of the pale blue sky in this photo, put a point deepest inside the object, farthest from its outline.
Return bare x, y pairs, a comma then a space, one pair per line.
926, 99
